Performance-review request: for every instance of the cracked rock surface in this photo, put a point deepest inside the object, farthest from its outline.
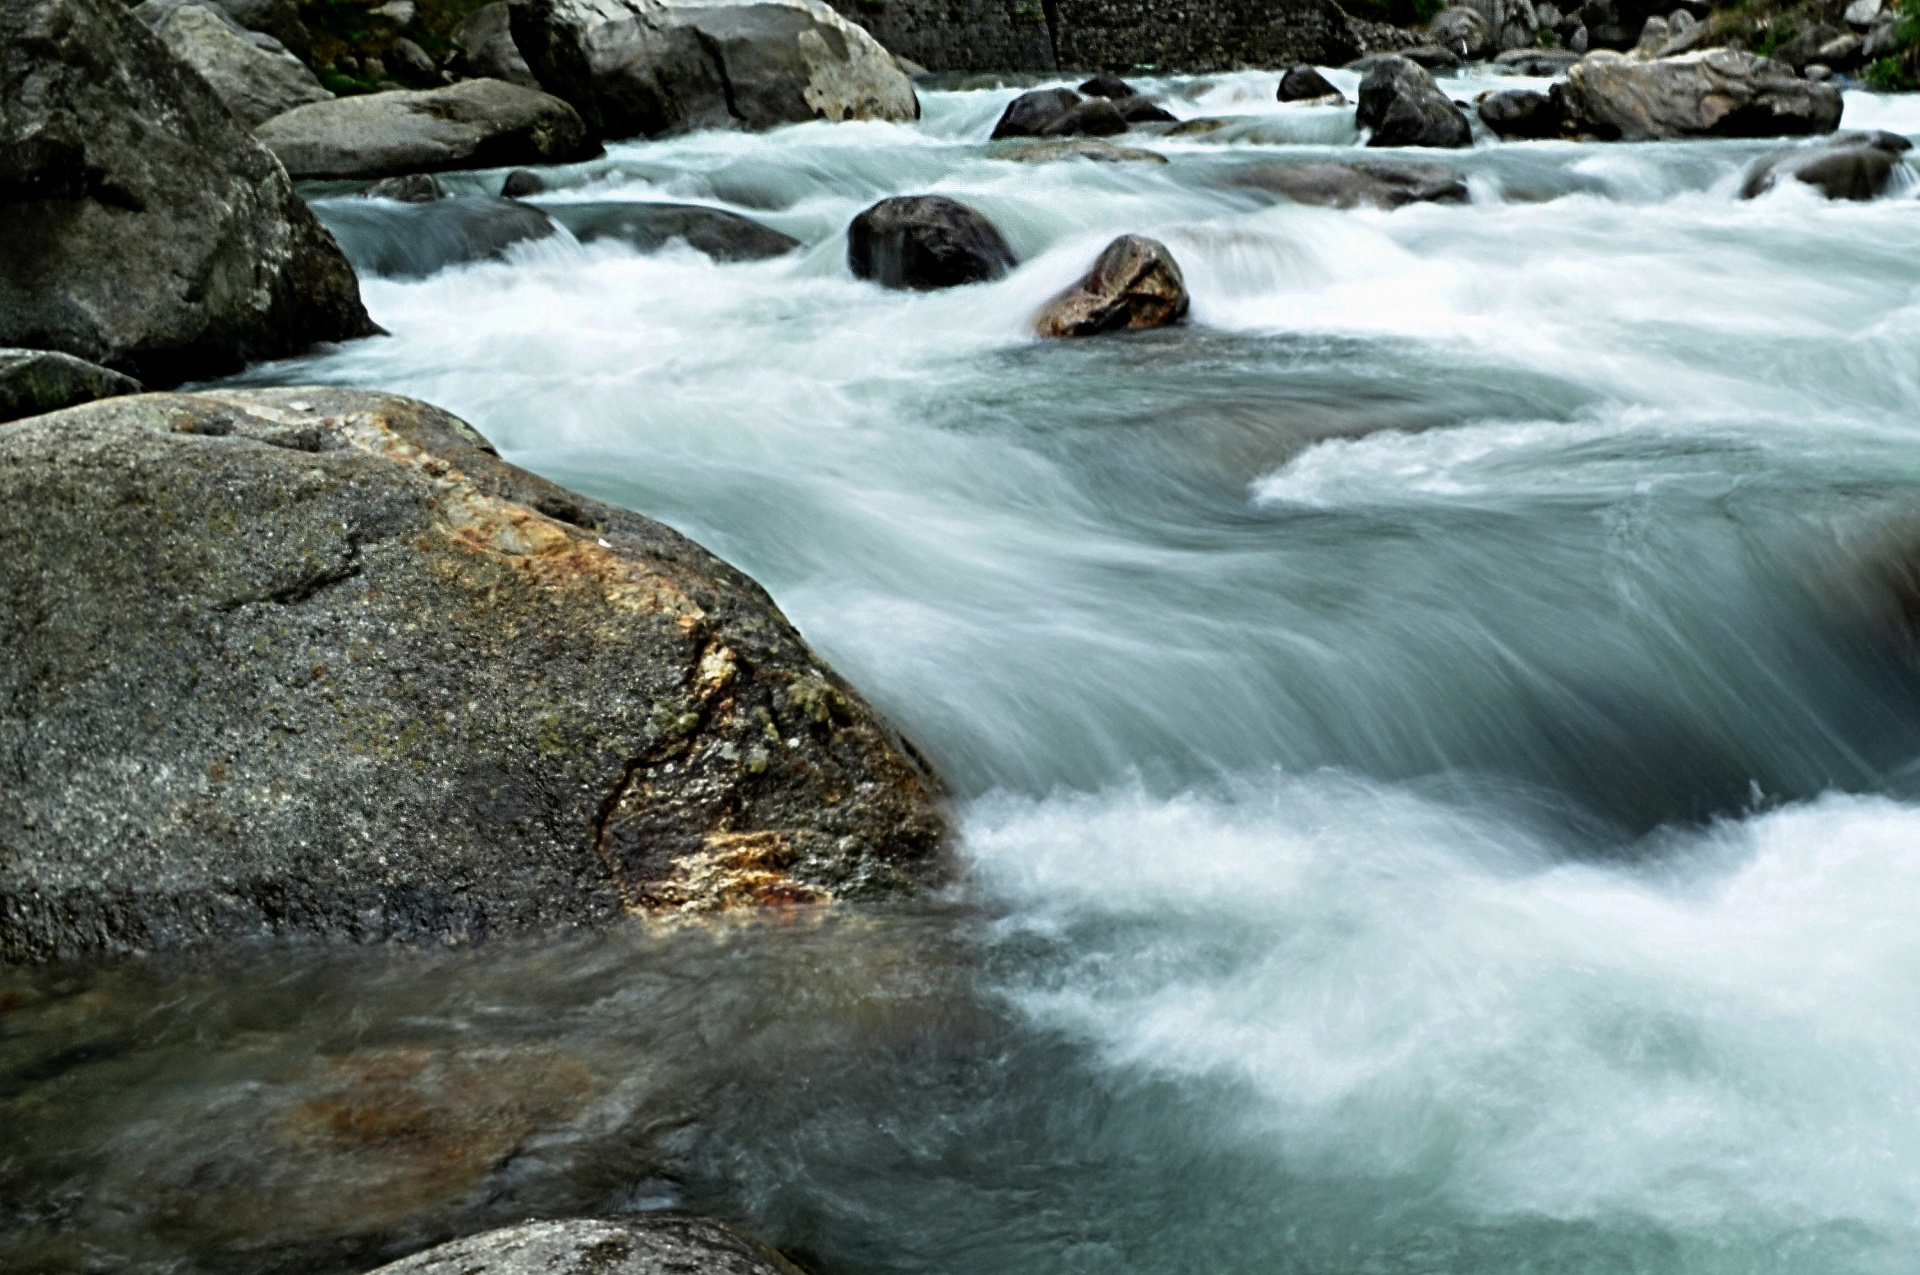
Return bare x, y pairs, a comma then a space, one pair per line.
317, 661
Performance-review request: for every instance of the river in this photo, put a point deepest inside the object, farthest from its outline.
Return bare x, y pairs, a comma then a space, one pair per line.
1434, 767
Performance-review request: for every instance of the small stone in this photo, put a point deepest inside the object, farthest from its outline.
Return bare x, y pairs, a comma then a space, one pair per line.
1135, 283
1304, 84
413, 188
520, 183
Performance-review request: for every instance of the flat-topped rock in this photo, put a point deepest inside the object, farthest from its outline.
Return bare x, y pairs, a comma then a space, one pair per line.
1716, 93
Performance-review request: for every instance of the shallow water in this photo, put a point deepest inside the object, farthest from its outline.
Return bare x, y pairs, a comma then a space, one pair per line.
1432, 739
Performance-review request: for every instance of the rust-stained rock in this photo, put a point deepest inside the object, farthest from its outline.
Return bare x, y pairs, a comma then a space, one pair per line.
318, 661
1134, 283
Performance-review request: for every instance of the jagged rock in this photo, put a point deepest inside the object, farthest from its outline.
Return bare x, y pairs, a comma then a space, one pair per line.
316, 661
643, 1244
1304, 84
36, 381
255, 83
1461, 31
1371, 182
487, 48
420, 239
414, 188
1029, 114
520, 183
1402, 106
923, 242
1044, 152
1853, 166
1716, 93
722, 235
145, 230
1521, 113
474, 124
649, 67
1134, 283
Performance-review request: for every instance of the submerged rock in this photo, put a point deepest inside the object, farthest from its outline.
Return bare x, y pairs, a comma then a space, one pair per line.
256, 82
722, 235
1304, 84
1135, 283
1043, 152
923, 242
1402, 106
1522, 113
1716, 93
317, 661
37, 381
1029, 114
650, 67
1855, 166
1371, 182
145, 230
414, 188
475, 124
425, 237
641, 1244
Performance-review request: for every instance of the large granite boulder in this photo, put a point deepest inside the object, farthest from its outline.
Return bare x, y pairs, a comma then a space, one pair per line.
925, 242
641, 1244
473, 124
1715, 93
1134, 284
650, 67
318, 662
252, 74
722, 235
36, 381
487, 49
144, 229
1402, 106
1369, 182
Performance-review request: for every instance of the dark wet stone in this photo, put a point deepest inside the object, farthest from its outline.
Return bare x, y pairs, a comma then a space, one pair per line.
1108, 86
1304, 84
1093, 117
419, 239
1402, 106
1847, 169
925, 241
520, 183
722, 235
1029, 114
1375, 183
1521, 113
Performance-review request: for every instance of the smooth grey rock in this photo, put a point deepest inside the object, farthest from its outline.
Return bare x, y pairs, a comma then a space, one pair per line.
642, 1244
1029, 114
1052, 149
1134, 284
651, 67
486, 45
254, 83
520, 183
1521, 113
1402, 106
722, 235
414, 188
414, 240
1376, 183
1461, 31
924, 242
1304, 84
1715, 93
145, 230
1851, 166
36, 381
317, 662
473, 124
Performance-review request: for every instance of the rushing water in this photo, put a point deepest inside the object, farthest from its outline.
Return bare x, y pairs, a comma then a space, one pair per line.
1431, 739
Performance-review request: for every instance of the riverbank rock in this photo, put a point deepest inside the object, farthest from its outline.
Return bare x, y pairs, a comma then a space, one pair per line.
421, 238
1046, 152
1402, 106
1854, 166
651, 67
253, 75
641, 1244
924, 242
1378, 184
722, 235
145, 230
1135, 283
317, 661
1522, 113
474, 124
487, 50
1716, 93
37, 381
1304, 84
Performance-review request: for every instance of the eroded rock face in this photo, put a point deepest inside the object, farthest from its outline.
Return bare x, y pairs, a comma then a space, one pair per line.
474, 124
651, 67
1716, 93
316, 661
722, 235
641, 1244
1402, 106
1135, 283
1377, 184
256, 82
37, 381
923, 242
145, 230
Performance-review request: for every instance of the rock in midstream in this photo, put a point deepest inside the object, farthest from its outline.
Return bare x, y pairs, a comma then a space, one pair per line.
1856, 166
1716, 93
411, 240
1522, 113
924, 242
1134, 283
1305, 84
145, 229
1402, 106
317, 661
251, 73
1047, 150
473, 124
1375, 183
722, 235
638, 1244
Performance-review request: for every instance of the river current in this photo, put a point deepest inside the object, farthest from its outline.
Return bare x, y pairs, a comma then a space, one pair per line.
1431, 739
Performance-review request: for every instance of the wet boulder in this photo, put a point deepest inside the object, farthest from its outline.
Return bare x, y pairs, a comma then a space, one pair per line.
414, 188
520, 183
33, 382
1715, 93
652, 67
474, 124
1541, 62
1142, 110
636, 1244
924, 242
1371, 183
1109, 86
1135, 284
252, 74
317, 662
1852, 166
145, 229
1402, 106
414, 239
1462, 31
722, 235
1522, 113
1029, 114
1092, 117
1304, 84
487, 50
